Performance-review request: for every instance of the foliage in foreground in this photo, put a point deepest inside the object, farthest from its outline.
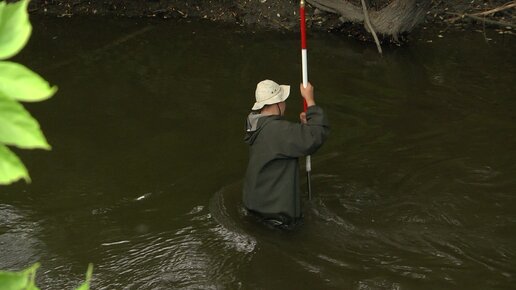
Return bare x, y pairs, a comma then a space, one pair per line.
17, 127
18, 84
25, 280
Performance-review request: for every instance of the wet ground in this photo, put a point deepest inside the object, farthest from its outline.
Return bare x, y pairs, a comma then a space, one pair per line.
414, 189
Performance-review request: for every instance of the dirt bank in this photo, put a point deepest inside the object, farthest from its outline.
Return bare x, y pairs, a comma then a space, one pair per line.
282, 14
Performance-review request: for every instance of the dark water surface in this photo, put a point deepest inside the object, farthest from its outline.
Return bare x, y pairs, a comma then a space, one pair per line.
415, 189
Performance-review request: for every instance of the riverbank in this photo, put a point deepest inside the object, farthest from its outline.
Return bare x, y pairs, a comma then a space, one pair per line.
282, 15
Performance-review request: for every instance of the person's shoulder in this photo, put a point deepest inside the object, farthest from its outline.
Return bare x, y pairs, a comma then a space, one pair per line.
274, 121
281, 121
283, 125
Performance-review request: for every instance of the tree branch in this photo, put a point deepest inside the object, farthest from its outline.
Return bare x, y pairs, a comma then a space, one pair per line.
506, 6
483, 19
497, 9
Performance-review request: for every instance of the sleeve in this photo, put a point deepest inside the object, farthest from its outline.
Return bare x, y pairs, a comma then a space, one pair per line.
303, 139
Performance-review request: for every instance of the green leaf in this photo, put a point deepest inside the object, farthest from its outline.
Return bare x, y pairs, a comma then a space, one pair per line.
15, 28
32, 272
20, 83
11, 169
86, 284
19, 280
18, 128
13, 281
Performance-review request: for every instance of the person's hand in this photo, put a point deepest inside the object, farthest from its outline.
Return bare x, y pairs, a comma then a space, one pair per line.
302, 118
308, 94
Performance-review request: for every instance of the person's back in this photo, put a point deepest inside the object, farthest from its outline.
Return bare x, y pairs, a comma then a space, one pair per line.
271, 187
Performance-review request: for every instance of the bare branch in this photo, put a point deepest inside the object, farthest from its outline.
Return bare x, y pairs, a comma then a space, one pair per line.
506, 6
483, 19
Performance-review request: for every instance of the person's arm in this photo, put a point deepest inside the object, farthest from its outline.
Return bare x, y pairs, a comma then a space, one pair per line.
308, 94
304, 139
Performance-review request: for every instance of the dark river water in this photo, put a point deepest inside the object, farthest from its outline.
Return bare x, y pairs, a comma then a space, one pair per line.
414, 189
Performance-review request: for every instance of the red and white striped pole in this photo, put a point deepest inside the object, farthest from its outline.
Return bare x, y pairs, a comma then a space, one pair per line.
304, 62
303, 46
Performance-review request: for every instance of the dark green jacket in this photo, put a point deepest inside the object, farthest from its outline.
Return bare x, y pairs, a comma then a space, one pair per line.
272, 179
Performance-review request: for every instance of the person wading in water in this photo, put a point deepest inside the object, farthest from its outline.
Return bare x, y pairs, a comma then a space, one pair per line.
271, 188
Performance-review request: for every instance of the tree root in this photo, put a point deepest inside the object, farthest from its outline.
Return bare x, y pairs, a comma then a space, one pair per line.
370, 27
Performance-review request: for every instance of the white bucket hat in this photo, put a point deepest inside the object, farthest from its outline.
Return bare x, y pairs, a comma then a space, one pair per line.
269, 92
